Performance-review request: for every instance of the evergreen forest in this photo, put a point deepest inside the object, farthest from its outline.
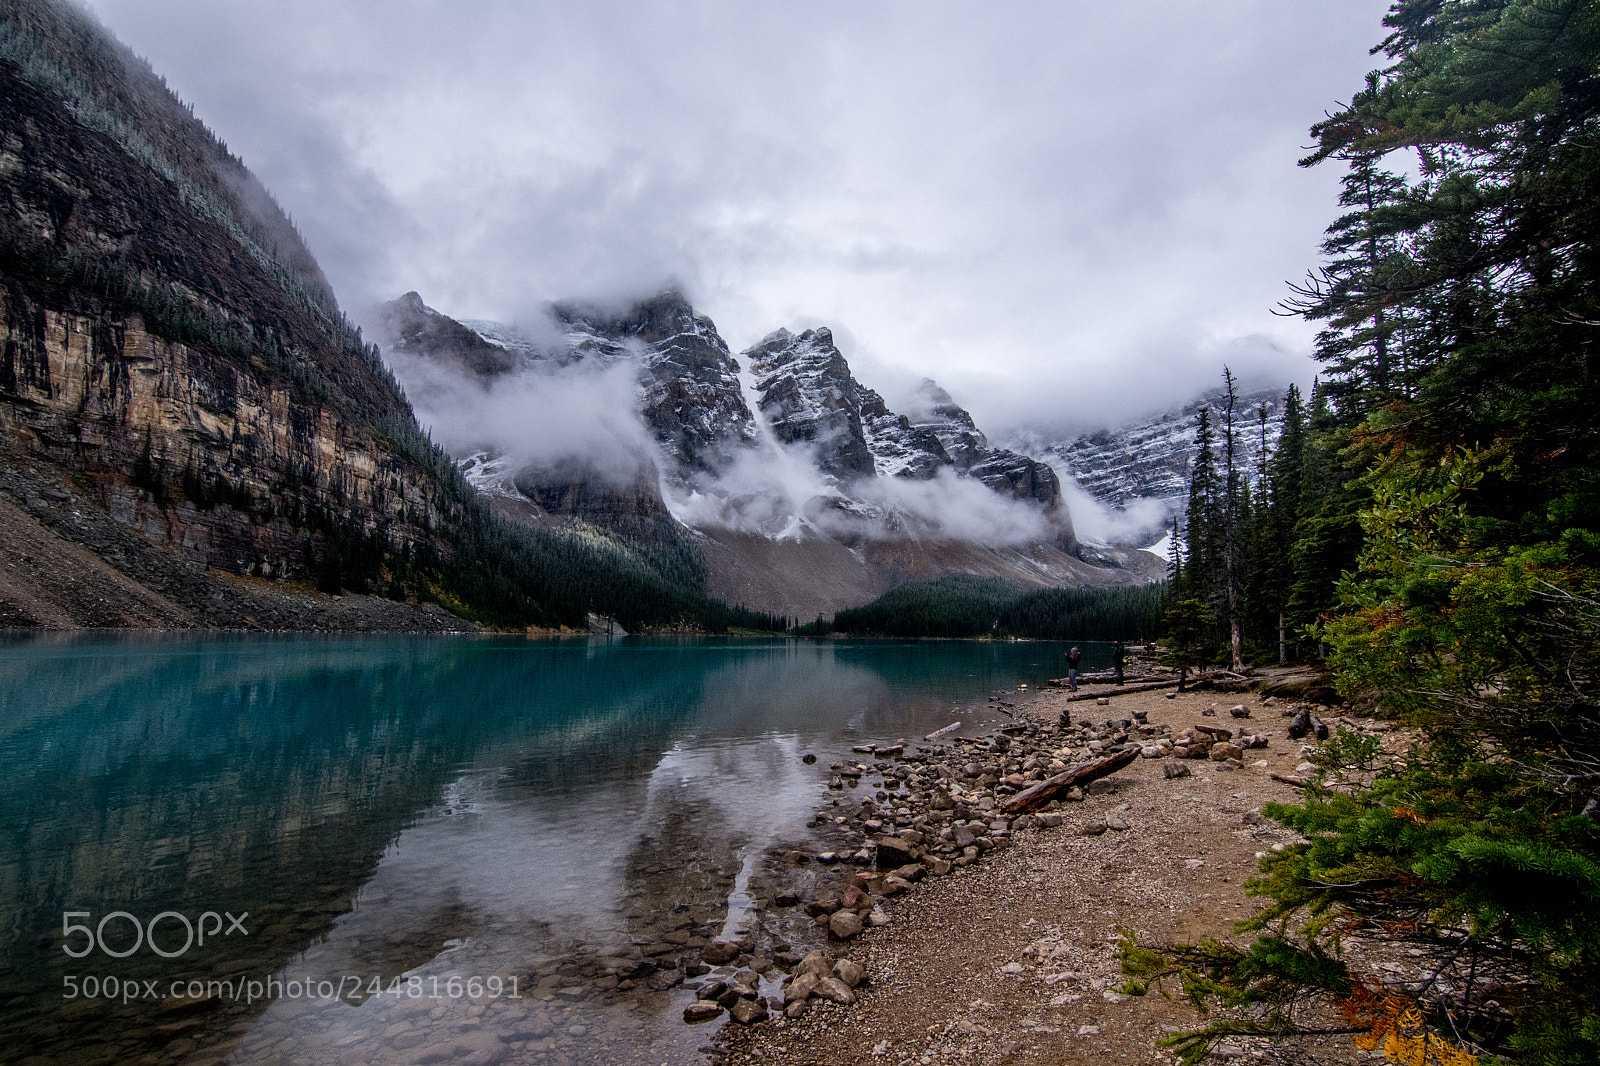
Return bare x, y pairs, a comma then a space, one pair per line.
961, 606
1430, 525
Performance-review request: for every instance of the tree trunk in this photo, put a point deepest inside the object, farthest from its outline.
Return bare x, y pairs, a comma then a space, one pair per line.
1236, 638
1283, 647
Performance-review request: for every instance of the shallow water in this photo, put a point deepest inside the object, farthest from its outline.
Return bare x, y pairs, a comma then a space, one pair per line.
416, 849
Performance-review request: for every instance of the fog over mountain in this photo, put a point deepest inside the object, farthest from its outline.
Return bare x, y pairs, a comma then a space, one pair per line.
1066, 214
802, 489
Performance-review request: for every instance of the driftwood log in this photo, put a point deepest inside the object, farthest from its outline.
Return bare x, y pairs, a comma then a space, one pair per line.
1037, 797
937, 733
1288, 779
1120, 690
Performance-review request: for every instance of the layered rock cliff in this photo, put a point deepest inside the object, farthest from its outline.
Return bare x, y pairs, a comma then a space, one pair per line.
174, 365
166, 337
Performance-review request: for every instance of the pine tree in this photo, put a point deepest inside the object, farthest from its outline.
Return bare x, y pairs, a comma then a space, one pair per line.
1448, 548
1276, 564
1203, 528
1232, 546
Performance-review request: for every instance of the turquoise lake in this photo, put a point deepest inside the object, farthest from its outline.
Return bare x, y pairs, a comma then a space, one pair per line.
399, 812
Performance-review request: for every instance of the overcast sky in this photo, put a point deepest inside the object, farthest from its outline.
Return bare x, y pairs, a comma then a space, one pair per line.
1067, 212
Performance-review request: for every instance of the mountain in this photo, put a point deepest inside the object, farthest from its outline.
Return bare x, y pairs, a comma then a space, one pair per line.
193, 434
797, 486
1142, 468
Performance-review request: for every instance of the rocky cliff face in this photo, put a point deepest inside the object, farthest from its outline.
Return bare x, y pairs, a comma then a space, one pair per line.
168, 347
1152, 458
808, 396
691, 397
1149, 461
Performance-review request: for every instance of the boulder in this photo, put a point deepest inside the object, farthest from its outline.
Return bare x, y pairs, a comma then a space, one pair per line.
701, 1010
1174, 769
801, 988
849, 971
1224, 751
720, 952
818, 907
832, 988
894, 852
818, 964
845, 924
749, 1011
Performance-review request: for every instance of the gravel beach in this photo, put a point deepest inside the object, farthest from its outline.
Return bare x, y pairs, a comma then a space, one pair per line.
1012, 958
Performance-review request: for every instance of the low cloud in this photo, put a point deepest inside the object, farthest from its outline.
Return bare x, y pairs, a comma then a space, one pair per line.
1138, 524
581, 420
1068, 214
777, 490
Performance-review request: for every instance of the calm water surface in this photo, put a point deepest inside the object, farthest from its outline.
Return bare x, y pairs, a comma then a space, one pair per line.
436, 841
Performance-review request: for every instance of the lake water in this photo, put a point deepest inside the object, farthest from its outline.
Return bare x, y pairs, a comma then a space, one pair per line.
419, 849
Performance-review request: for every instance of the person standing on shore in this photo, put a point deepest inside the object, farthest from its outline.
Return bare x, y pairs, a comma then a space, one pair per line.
1117, 655
1073, 658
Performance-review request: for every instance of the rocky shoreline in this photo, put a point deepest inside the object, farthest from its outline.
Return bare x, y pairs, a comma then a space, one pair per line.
905, 867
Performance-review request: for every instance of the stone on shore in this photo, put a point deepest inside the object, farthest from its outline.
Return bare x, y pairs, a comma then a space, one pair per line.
701, 1010
749, 1011
845, 924
832, 988
850, 972
817, 964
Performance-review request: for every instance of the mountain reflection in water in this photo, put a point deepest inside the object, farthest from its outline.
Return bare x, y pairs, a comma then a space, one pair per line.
404, 810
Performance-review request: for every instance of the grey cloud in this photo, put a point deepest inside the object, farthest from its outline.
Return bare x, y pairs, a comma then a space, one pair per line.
1067, 213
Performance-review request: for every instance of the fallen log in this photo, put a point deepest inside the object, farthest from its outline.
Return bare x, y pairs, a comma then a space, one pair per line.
1037, 797
937, 733
1100, 677
1288, 779
1121, 690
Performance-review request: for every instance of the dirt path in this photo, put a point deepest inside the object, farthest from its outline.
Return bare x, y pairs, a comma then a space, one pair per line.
1012, 960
